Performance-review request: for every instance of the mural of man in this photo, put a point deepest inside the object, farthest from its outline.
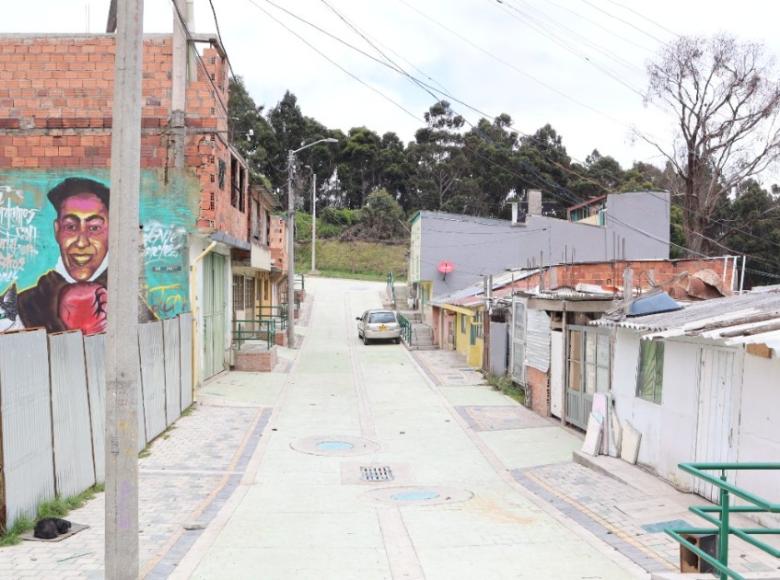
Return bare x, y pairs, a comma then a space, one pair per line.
73, 295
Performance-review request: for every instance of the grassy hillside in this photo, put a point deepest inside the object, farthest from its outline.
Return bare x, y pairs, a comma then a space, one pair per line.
366, 260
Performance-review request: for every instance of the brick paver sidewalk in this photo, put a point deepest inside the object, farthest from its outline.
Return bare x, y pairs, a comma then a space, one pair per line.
191, 471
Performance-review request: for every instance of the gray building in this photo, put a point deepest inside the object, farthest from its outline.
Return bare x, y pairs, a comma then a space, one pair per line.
629, 226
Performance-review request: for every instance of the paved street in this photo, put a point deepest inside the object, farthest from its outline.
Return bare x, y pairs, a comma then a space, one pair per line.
451, 511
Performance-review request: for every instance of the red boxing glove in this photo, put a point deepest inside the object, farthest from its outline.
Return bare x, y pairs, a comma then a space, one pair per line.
83, 306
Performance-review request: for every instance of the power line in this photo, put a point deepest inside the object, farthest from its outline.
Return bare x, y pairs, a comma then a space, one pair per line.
551, 190
330, 60
624, 21
511, 65
541, 28
601, 26
650, 20
221, 42
206, 72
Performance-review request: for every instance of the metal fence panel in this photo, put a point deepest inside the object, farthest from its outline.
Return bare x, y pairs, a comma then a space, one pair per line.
95, 354
538, 340
150, 342
172, 352
26, 420
142, 437
74, 469
185, 343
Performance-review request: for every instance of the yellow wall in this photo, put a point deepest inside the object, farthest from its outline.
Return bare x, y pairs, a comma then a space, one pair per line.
473, 353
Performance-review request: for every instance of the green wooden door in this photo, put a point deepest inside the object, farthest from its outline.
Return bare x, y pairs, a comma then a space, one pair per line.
214, 306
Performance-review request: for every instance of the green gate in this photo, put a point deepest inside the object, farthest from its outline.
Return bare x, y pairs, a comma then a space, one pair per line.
214, 306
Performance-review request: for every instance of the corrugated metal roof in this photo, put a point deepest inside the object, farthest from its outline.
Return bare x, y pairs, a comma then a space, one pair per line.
469, 294
746, 318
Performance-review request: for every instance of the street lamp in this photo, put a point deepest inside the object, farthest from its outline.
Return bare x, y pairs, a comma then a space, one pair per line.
291, 238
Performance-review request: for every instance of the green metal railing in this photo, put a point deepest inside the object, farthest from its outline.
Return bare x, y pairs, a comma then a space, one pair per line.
406, 328
723, 527
276, 313
263, 329
391, 288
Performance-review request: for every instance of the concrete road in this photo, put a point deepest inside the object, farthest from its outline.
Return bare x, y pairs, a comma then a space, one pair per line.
451, 511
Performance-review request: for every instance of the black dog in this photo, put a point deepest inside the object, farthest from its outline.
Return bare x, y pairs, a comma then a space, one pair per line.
49, 528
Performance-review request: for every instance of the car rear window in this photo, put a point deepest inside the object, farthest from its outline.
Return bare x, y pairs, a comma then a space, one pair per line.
381, 317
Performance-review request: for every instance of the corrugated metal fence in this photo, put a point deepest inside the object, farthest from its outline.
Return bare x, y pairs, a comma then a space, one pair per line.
52, 407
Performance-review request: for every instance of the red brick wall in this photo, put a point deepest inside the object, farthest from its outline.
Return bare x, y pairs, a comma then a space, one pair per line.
539, 386
278, 242
56, 96
610, 274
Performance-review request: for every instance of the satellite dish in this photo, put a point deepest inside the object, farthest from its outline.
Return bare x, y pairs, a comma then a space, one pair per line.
445, 268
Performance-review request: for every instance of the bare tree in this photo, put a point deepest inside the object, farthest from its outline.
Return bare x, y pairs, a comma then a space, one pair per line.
725, 98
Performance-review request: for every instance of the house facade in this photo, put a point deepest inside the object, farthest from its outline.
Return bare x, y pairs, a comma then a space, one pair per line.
635, 227
702, 384
55, 136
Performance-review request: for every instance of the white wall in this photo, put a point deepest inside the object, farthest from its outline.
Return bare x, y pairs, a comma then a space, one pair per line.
759, 438
669, 429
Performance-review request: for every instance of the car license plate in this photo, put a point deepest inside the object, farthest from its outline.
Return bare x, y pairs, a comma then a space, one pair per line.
382, 328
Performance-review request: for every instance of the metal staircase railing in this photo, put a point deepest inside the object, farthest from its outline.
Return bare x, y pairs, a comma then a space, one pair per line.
723, 528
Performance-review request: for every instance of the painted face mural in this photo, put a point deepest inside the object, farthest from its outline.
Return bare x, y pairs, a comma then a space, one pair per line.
73, 295
54, 257
81, 230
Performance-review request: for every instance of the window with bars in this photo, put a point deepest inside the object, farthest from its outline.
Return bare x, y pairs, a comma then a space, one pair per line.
238, 293
650, 374
249, 302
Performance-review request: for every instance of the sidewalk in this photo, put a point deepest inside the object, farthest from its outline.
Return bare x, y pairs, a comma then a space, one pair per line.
621, 504
189, 473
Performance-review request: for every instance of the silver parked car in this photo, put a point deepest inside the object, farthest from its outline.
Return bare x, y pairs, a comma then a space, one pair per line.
378, 324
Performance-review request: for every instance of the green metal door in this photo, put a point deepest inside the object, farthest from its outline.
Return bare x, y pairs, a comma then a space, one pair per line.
213, 315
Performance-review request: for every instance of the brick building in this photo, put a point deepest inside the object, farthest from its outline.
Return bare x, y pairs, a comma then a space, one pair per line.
56, 95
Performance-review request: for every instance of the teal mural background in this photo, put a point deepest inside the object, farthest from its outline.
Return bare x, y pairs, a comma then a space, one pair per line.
168, 212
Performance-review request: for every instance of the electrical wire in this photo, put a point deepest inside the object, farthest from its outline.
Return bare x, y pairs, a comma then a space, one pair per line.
206, 72
330, 60
626, 22
221, 42
650, 20
541, 29
397, 68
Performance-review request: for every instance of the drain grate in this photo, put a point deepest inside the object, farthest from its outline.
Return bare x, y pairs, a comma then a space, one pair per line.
376, 473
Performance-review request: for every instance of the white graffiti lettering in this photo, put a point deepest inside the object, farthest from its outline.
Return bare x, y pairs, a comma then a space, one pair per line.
163, 242
18, 234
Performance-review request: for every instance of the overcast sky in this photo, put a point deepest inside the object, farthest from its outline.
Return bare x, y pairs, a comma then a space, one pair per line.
544, 44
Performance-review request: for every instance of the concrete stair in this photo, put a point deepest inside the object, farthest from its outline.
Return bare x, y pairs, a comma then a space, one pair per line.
422, 337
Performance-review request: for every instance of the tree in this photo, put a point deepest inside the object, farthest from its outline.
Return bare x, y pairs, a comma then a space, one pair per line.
249, 132
601, 174
725, 100
545, 165
491, 149
438, 158
750, 223
381, 218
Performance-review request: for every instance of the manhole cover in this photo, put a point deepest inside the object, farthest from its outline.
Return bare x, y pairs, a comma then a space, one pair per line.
420, 495
335, 446
415, 495
383, 473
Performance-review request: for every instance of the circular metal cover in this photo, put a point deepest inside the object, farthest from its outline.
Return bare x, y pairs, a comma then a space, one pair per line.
419, 495
335, 446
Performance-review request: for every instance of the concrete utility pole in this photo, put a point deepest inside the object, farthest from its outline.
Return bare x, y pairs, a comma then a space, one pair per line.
313, 222
179, 81
290, 251
121, 557
291, 238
